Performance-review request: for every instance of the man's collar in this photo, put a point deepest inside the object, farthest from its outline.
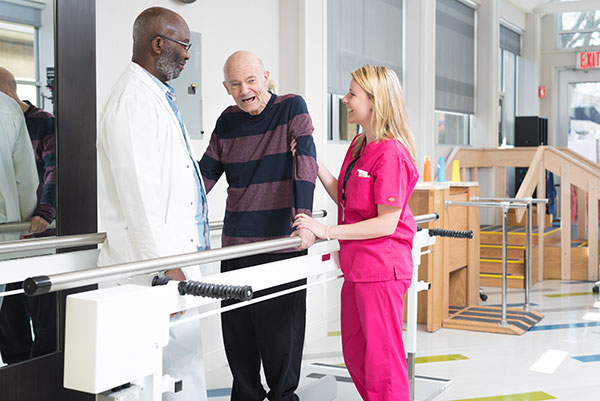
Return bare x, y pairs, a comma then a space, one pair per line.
164, 87
31, 106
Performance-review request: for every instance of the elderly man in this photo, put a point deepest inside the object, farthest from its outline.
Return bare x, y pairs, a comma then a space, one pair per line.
267, 187
152, 201
21, 313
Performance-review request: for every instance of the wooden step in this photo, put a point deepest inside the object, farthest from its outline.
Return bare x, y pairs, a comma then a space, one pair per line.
492, 234
490, 271
495, 251
494, 265
495, 280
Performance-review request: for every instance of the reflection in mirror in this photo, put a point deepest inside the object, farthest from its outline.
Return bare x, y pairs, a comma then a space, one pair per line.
28, 326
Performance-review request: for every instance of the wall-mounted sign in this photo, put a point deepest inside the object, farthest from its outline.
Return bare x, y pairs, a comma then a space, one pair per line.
541, 92
587, 60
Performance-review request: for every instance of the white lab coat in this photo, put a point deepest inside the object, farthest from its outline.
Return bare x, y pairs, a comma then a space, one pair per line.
148, 201
18, 173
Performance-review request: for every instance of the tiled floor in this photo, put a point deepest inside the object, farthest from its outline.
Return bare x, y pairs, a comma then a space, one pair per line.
558, 359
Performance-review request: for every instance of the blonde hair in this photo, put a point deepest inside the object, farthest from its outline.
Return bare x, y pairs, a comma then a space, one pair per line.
389, 119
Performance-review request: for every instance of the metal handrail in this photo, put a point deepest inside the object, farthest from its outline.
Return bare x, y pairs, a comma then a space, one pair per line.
69, 241
520, 200
43, 284
504, 205
20, 226
528, 232
507, 204
424, 218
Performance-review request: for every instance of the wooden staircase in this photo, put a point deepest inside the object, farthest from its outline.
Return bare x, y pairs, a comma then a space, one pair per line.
568, 259
490, 260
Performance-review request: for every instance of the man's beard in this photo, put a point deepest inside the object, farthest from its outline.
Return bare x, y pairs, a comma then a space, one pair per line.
168, 64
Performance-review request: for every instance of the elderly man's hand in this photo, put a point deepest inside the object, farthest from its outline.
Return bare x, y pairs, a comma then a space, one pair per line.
307, 237
38, 225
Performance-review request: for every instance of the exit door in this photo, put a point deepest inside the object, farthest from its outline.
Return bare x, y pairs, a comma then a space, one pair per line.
579, 112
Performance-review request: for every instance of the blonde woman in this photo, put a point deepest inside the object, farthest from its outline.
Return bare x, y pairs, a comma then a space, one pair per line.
375, 229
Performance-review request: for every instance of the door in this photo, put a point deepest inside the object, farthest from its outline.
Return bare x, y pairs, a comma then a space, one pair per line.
579, 112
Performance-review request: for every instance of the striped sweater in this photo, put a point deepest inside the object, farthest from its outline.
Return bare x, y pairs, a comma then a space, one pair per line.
40, 125
267, 186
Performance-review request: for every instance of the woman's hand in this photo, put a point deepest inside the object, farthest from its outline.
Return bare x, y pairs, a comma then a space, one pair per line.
303, 221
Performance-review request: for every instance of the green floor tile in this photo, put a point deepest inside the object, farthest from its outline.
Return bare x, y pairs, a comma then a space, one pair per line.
535, 396
571, 294
440, 358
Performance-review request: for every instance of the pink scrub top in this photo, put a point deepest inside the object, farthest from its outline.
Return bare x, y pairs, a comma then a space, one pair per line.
383, 175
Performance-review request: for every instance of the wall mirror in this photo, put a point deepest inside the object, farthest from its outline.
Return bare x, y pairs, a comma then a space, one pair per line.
28, 326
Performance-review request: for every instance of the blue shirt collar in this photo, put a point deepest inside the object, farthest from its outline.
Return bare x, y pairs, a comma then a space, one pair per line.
164, 88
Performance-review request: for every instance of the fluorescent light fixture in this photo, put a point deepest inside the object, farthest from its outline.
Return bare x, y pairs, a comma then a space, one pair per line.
549, 361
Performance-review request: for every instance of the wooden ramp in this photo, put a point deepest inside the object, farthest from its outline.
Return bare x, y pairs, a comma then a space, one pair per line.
487, 319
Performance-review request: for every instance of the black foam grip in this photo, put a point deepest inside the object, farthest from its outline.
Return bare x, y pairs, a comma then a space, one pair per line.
440, 232
156, 280
219, 291
37, 285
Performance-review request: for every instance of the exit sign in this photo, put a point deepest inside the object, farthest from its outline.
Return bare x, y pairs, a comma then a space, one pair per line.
587, 60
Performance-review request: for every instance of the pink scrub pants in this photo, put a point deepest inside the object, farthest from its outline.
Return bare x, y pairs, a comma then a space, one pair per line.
371, 320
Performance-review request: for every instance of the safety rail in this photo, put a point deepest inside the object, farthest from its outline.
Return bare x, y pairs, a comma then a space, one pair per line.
43, 284
70, 241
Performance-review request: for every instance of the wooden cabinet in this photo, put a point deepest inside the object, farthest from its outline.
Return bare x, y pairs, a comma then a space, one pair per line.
453, 267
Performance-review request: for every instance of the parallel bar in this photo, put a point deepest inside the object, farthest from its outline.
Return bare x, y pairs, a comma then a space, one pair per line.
486, 204
424, 218
528, 257
523, 200
22, 226
68, 241
528, 201
42, 284
503, 322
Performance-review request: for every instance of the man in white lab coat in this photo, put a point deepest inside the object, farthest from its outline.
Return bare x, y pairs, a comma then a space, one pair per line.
152, 200
18, 174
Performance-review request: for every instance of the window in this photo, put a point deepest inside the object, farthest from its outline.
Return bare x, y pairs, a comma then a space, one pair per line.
579, 29
452, 128
17, 54
359, 32
454, 72
339, 127
510, 49
19, 25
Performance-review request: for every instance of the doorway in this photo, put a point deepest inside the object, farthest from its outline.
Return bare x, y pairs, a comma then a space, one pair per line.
579, 112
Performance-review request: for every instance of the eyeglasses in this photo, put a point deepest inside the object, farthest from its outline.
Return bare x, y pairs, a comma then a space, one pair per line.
185, 45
